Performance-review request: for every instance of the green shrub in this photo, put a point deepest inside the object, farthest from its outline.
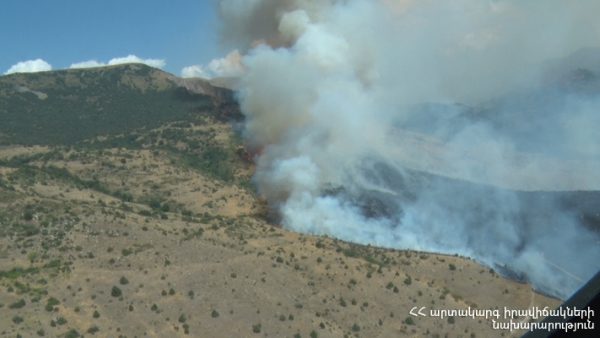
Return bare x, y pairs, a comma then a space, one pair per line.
182, 318
51, 303
116, 292
93, 329
72, 334
18, 304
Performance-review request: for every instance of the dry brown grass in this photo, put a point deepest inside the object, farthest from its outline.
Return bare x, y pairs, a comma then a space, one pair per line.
212, 242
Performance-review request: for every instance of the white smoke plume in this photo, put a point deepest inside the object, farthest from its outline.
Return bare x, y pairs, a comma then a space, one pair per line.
422, 124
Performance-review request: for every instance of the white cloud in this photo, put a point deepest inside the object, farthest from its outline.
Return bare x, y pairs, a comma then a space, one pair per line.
29, 66
228, 66
156, 63
87, 64
195, 71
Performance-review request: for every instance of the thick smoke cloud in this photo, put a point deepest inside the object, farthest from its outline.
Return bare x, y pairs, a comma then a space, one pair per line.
423, 124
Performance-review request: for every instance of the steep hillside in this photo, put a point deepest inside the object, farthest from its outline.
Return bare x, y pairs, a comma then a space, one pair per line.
150, 227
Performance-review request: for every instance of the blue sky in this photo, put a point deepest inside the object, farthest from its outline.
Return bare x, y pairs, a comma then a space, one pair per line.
63, 32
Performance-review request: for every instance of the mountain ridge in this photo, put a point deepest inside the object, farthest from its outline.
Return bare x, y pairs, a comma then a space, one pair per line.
97, 101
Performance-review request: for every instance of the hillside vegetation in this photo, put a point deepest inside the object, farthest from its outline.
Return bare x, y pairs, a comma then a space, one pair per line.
66, 107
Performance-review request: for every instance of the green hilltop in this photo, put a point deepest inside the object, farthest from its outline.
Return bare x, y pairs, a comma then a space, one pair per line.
68, 106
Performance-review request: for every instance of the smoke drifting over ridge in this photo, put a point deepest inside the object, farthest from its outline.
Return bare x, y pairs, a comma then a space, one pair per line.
421, 124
